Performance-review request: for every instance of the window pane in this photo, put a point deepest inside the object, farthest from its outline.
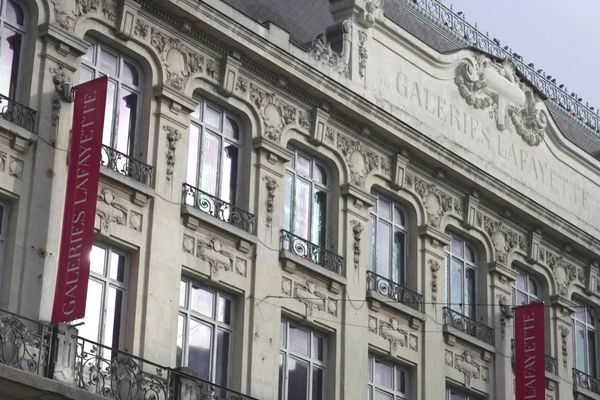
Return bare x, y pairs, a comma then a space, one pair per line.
591, 341
224, 311
200, 338
319, 218
85, 74
281, 376
222, 361
117, 267
127, 116
302, 166
212, 116
297, 379
180, 332
398, 258
302, 208
129, 73
112, 319
384, 236
521, 299
93, 312
14, 13
533, 287
319, 174
109, 113
202, 301
384, 208
298, 340
456, 281
287, 206
210, 161
319, 348
384, 374
470, 253
456, 247
182, 293
108, 63
317, 383
192, 162
379, 395
400, 380
521, 282
10, 49
457, 396
229, 173
197, 114
231, 128
97, 260
398, 216
470, 292
580, 352
373, 264
89, 54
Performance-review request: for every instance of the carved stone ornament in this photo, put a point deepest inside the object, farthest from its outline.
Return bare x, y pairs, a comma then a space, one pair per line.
62, 83
361, 160
564, 272
173, 136
141, 28
372, 9
362, 54
109, 8
465, 364
357, 229
271, 185
484, 84
312, 298
67, 13
398, 337
275, 113
505, 312
564, 333
436, 202
110, 210
434, 267
503, 239
213, 253
321, 51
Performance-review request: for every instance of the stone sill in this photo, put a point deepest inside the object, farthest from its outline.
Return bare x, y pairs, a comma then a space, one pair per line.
373, 297
450, 335
192, 218
21, 138
583, 394
290, 261
141, 192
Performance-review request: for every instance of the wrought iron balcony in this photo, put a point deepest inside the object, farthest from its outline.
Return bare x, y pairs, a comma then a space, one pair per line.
585, 381
469, 326
25, 344
311, 252
550, 364
394, 291
126, 165
17, 113
218, 208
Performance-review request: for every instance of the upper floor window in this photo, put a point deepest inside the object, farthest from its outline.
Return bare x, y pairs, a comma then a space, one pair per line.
122, 98
214, 150
205, 331
461, 267
388, 240
105, 304
455, 394
526, 289
387, 381
584, 341
12, 31
306, 195
302, 363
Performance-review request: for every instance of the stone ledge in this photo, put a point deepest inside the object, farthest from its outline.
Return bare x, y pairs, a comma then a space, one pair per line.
451, 334
290, 261
20, 138
373, 296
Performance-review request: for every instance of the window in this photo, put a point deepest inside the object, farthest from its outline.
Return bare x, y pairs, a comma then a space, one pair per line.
305, 210
387, 381
302, 363
122, 98
105, 304
214, 149
454, 394
12, 32
388, 242
584, 341
526, 290
461, 268
205, 331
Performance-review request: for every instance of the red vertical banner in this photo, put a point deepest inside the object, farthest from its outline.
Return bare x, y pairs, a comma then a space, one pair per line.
530, 376
80, 201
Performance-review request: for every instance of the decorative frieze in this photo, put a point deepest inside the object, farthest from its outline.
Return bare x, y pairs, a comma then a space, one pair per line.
465, 364
314, 297
213, 252
111, 210
11, 165
392, 331
360, 159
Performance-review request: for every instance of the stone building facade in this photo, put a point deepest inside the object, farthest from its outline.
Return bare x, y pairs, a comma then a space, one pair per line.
298, 200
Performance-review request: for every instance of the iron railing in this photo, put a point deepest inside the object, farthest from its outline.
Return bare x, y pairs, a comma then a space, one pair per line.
17, 113
311, 252
126, 165
218, 208
118, 375
394, 291
25, 344
585, 381
469, 326
470, 36
550, 364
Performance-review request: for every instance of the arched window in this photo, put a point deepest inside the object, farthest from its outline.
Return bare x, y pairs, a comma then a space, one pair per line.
584, 341
12, 31
123, 95
214, 149
526, 289
461, 267
306, 193
388, 240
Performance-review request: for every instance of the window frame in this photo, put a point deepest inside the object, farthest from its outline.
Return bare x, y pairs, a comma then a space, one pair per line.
396, 368
399, 276
589, 326
15, 81
286, 353
465, 395
189, 314
466, 306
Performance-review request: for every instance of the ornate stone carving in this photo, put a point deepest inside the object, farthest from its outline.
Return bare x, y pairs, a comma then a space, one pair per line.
135, 220
188, 244
87, 6
109, 209
64, 15
310, 296
321, 51
436, 202
484, 84
434, 267
62, 83
271, 185
213, 253
564, 272
173, 136
276, 114
109, 8
465, 364
241, 84
303, 120
372, 9
505, 312
141, 28
398, 337
362, 54
357, 229
503, 239
361, 160
373, 324
564, 333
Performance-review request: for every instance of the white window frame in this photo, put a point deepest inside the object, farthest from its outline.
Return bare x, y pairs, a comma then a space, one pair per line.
528, 286
188, 314
583, 317
397, 370
397, 223
286, 353
22, 30
467, 305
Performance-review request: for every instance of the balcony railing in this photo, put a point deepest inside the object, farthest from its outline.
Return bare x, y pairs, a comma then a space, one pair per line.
126, 165
218, 208
471, 327
25, 344
17, 113
550, 364
311, 252
394, 291
585, 381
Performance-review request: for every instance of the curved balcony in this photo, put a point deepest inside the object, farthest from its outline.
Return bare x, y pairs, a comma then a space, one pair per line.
469, 326
392, 290
585, 381
16, 113
311, 252
126, 165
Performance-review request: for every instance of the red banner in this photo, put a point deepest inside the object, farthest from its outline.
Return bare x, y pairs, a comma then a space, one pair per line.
530, 375
80, 201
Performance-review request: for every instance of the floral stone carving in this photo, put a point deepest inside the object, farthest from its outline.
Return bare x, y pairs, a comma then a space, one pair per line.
271, 185
321, 51
214, 254
173, 136
276, 114
357, 229
470, 369
564, 272
503, 239
436, 202
361, 160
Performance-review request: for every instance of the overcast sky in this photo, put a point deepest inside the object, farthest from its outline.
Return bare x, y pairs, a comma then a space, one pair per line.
561, 37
